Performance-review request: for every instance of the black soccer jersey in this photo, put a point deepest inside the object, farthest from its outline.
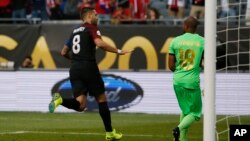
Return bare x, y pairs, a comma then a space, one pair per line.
84, 74
82, 44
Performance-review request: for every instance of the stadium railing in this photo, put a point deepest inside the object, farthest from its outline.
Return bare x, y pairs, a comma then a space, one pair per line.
165, 21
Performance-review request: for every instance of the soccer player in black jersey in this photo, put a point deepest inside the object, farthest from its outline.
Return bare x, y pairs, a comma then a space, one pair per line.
84, 73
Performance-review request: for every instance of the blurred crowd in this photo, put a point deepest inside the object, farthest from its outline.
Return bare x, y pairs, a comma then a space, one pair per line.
110, 11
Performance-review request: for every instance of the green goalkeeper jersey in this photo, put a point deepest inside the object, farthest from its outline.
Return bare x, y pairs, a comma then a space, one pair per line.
188, 50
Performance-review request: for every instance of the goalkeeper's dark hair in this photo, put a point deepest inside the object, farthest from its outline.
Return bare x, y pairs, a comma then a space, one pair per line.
85, 11
191, 22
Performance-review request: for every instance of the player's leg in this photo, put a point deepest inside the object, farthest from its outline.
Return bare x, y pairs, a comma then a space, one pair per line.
190, 104
55, 102
182, 98
183, 133
176, 131
184, 126
96, 89
104, 111
78, 103
181, 117
106, 118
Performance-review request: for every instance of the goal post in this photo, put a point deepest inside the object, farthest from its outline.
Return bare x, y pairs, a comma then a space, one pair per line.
209, 71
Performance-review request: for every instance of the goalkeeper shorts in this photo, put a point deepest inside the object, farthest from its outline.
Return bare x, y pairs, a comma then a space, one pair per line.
189, 101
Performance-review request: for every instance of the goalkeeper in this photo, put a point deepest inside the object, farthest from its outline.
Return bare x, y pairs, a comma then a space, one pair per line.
186, 60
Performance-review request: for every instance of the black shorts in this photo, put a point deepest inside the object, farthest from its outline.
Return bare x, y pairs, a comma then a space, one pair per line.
86, 79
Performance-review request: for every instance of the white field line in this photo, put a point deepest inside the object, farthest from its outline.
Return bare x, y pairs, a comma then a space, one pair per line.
75, 133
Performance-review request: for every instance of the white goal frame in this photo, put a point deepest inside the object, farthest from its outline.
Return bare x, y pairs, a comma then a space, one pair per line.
210, 71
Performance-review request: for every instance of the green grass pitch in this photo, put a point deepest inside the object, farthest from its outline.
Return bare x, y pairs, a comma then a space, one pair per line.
34, 126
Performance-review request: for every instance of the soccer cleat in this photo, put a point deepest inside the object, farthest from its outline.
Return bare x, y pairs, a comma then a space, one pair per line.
176, 133
113, 136
55, 102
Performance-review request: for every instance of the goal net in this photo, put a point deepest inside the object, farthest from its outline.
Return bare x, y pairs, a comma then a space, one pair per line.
233, 66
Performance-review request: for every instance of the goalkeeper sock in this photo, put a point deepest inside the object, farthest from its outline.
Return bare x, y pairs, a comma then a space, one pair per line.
181, 117
105, 115
184, 125
183, 135
71, 104
186, 122
183, 132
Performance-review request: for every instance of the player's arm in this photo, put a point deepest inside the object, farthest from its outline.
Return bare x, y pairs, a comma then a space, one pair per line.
202, 61
96, 35
65, 52
171, 62
171, 56
105, 46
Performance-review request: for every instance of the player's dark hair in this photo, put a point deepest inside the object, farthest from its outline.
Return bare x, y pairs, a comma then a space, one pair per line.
191, 22
85, 11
